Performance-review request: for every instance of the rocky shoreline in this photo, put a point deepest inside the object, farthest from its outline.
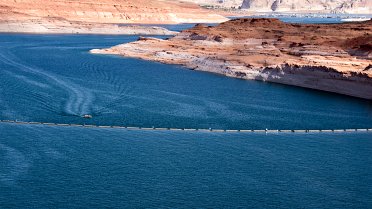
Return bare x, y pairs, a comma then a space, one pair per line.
64, 27
305, 55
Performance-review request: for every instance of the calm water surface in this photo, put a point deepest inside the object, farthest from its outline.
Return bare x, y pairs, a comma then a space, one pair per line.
53, 78
46, 167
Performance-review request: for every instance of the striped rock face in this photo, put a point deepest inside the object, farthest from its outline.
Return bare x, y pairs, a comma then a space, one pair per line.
98, 17
106, 11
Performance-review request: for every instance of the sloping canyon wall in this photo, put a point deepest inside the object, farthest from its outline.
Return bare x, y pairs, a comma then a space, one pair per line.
106, 11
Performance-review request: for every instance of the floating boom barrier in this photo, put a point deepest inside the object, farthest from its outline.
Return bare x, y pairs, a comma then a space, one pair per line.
190, 129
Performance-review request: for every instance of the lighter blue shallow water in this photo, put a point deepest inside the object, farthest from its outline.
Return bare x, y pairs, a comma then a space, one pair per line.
53, 78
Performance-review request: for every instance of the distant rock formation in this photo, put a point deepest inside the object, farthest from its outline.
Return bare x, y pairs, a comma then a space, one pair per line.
336, 6
235, 4
326, 6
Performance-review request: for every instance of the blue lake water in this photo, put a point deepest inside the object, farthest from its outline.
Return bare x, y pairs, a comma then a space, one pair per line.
53, 78
66, 167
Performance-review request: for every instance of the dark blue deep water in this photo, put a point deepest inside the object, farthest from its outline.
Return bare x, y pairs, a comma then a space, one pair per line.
53, 78
54, 167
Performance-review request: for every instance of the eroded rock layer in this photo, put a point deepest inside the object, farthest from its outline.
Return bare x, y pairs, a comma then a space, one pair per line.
89, 15
329, 57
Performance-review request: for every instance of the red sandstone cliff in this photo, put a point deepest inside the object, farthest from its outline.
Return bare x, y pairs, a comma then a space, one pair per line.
52, 15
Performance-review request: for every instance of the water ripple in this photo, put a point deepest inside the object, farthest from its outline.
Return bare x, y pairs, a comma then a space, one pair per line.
79, 99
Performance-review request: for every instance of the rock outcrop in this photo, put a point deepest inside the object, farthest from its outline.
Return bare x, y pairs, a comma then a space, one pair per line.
337, 6
228, 4
306, 55
95, 16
